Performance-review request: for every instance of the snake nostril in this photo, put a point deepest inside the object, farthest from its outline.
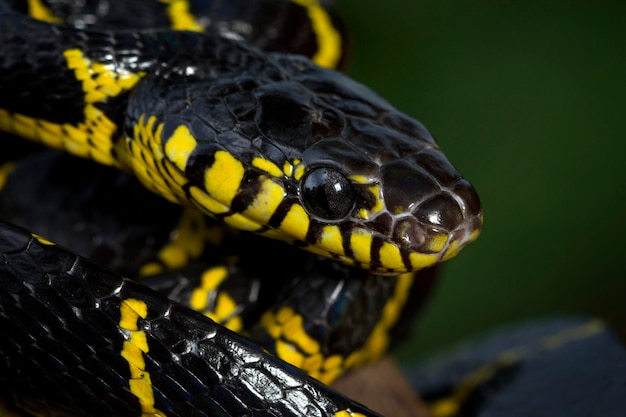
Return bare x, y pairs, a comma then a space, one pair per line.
409, 232
441, 210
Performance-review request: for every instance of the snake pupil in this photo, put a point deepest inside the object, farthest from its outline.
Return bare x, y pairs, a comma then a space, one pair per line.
327, 194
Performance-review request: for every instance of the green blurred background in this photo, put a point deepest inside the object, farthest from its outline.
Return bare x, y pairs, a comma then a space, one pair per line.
527, 98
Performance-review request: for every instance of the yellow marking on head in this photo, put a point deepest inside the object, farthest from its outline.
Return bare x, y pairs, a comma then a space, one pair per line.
288, 168
452, 251
437, 243
328, 38
239, 221
180, 16
266, 202
276, 235
331, 239
296, 222
202, 199
363, 213
361, 244
37, 10
222, 179
146, 160
267, 166
366, 213
378, 206
359, 179
313, 248
179, 146
422, 260
5, 172
133, 348
298, 171
390, 257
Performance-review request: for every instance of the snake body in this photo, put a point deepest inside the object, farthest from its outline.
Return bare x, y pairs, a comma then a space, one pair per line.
265, 142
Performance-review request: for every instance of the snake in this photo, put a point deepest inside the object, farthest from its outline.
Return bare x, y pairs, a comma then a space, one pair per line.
225, 111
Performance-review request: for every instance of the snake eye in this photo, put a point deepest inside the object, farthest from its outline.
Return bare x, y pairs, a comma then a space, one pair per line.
326, 193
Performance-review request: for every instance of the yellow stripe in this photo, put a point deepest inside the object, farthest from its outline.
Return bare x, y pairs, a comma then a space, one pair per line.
136, 344
145, 158
37, 10
211, 279
203, 200
93, 137
223, 178
422, 260
239, 221
437, 242
361, 244
266, 202
331, 239
268, 166
179, 146
390, 257
180, 16
42, 240
296, 222
328, 39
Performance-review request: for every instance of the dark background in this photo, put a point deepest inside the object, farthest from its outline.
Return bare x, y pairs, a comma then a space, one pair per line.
527, 99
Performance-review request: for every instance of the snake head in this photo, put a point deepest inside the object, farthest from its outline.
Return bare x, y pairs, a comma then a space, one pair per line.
384, 183
376, 189
280, 147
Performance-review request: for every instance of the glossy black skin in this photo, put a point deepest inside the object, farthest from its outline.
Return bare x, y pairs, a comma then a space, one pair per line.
323, 108
50, 295
271, 25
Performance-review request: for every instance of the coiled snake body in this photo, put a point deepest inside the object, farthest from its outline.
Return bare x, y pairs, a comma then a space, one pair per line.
263, 142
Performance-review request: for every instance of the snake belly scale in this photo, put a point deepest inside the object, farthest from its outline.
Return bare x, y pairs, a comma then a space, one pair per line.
264, 142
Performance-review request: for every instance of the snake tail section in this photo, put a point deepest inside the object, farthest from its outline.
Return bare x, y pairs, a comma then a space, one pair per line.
139, 353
